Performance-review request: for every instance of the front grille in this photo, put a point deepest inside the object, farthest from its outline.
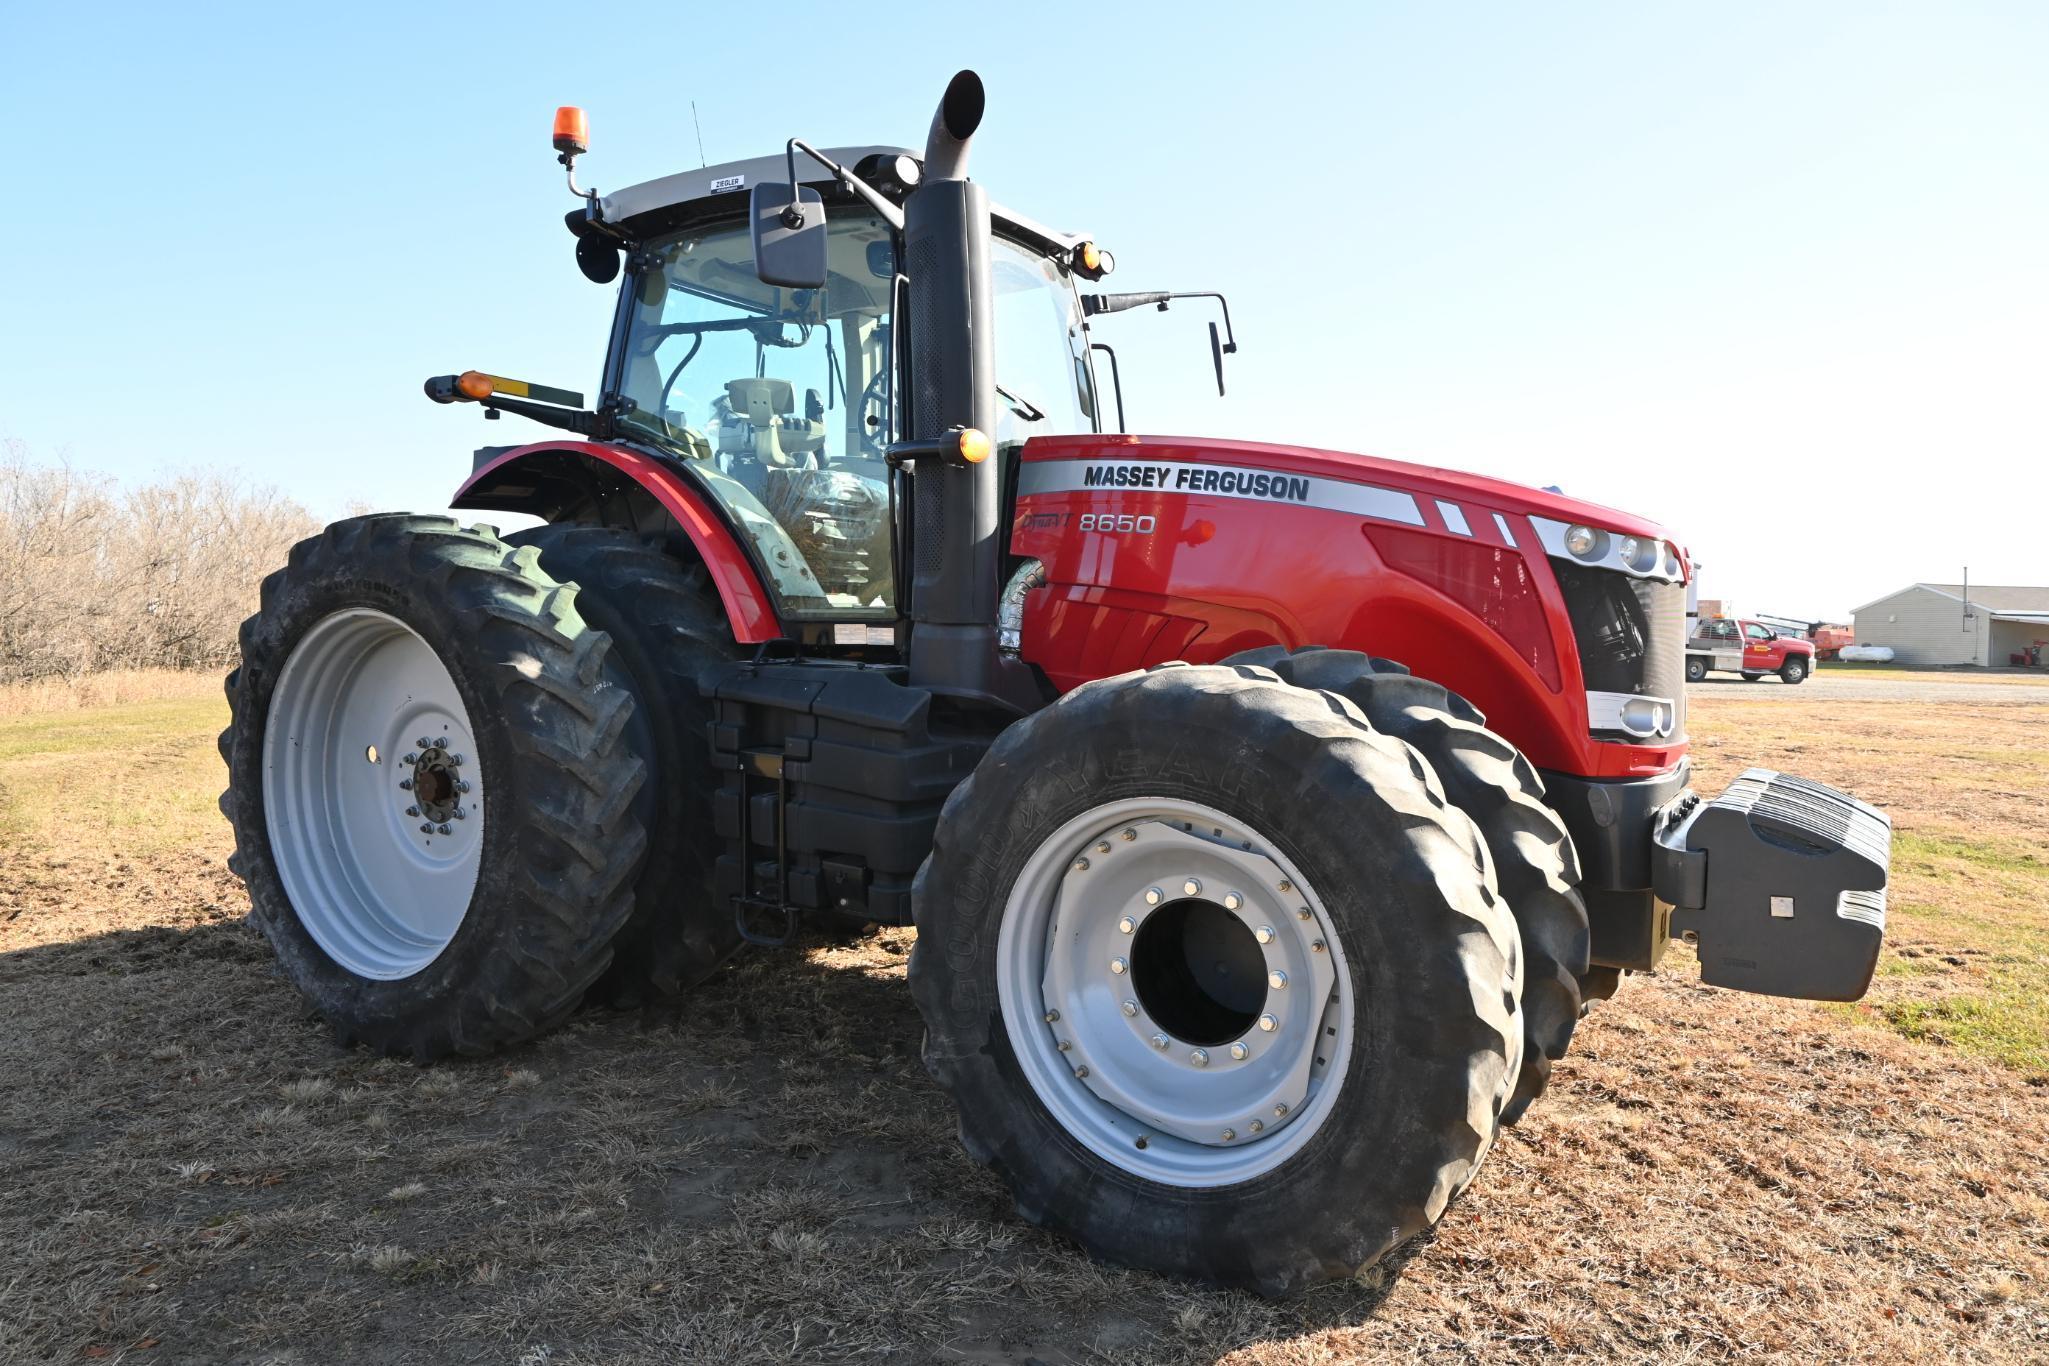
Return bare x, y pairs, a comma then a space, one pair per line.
1631, 637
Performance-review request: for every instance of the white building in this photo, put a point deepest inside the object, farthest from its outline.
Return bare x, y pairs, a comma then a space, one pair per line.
1930, 625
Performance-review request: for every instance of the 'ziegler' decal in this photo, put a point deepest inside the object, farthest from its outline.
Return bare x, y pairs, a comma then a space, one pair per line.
1226, 481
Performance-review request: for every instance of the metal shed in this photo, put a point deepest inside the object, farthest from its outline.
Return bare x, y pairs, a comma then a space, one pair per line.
1931, 625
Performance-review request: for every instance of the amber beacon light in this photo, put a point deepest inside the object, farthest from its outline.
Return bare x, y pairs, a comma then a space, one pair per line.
572, 131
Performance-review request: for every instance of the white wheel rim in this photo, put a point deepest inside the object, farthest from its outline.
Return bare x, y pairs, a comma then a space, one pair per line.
1097, 929
373, 794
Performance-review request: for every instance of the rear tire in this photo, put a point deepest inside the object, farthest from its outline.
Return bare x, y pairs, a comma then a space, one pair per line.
410, 936
1696, 669
1794, 670
1535, 864
667, 628
1419, 956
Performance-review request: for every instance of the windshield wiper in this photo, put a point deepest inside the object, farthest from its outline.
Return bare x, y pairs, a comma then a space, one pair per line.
1022, 406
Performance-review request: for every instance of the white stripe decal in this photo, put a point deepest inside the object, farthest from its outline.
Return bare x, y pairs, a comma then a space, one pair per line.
1218, 481
1454, 517
1506, 535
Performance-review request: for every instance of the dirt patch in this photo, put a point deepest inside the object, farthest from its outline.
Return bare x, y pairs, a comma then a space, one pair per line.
763, 1173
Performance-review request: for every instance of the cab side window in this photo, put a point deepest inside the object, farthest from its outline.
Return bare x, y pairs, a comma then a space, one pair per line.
1756, 632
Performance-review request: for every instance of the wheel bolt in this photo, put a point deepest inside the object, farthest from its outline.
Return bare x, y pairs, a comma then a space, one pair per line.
459, 813
1081, 1074
1159, 1041
412, 811
444, 829
1264, 934
1081, 865
462, 786
1232, 901
1130, 1009
1066, 1047
1230, 1134
405, 784
1280, 1112
1287, 886
1257, 1126
1277, 979
1240, 1052
1317, 947
1268, 1024
426, 829
1126, 925
1192, 887
1130, 834
455, 761
1301, 913
1154, 896
1052, 1017
410, 759
1118, 965
424, 743
1200, 1057
1102, 846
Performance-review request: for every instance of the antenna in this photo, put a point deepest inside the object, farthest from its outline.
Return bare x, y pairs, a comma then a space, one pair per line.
700, 133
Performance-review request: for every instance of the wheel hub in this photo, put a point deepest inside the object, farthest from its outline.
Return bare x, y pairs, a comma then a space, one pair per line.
1189, 1010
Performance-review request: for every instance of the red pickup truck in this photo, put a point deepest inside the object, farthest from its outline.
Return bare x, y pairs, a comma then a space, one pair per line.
1733, 645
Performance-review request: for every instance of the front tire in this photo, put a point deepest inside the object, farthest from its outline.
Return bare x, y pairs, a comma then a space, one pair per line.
1198, 861
1794, 670
1535, 865
430, 791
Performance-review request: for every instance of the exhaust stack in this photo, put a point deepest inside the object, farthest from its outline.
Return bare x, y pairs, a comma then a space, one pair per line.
956, 549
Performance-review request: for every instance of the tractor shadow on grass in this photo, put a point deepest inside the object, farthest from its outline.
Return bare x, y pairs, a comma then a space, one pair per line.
776, 1124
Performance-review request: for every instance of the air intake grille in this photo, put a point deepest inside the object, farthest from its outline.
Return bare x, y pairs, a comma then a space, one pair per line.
1631, 637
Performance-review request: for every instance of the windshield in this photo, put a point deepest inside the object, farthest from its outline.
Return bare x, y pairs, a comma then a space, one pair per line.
780, 399
1042, 378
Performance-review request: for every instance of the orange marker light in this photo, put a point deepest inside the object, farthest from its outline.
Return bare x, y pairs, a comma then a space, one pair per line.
473, 384
1091, 259
974, 447
572, 131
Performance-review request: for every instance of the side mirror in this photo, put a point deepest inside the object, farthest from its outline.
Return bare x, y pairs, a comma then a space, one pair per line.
789, 235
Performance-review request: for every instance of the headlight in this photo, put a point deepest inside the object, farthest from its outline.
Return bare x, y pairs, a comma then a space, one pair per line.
1629, 547
1581, 540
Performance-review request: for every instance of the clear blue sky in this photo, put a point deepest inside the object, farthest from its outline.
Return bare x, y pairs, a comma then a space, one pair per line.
1776, 274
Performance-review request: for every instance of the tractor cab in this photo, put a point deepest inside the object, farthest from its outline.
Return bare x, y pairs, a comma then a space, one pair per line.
782, 401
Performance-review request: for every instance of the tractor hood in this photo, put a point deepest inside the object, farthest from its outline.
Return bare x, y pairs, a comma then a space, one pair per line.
1413, 493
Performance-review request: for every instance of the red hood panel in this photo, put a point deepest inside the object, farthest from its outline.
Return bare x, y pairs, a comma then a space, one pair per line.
1423, 480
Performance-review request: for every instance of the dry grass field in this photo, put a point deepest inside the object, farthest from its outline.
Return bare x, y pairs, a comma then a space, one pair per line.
195, 1173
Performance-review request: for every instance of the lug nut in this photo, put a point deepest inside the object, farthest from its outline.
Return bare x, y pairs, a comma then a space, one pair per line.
1066, 1047
461, 814
426, 829
1126, 925
443, 827
1287, 886
1318, 947
1159, 1041
1230, 1134
412, 811
1277, 979
1118, 965
1129, 833
405, 784
410, 759
1102, 846
424, 743
1257, 1126
1130, 1009
1280, 1112
462, 786
442, 743
1191, 887
1200, 1057
1081, 1074
1232, 901
455, 761
1052, 1017
1264, 934
1154, 896
1268, 1024
1240, 1052
1081, 865
1301, 913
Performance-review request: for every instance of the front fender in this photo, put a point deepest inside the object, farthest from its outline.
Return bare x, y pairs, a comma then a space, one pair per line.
588, 480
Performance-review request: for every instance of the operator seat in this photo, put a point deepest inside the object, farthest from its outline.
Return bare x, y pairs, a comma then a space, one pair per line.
778, 439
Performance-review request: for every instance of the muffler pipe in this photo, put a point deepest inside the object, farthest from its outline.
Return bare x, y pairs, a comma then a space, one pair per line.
959, 115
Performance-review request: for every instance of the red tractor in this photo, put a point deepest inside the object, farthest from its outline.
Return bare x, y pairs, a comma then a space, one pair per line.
1238, 940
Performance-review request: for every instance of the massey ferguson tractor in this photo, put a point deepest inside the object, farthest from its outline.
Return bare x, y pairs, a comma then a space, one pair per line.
1268, 816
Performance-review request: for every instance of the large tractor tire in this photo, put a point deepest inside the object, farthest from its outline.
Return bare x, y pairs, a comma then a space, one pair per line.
1218, 978
667, 629
1535, 865
431, 789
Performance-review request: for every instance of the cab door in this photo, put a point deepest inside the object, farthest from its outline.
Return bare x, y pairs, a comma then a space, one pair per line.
1761, 649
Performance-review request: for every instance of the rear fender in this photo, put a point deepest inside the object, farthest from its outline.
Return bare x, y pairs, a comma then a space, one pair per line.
590, 481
